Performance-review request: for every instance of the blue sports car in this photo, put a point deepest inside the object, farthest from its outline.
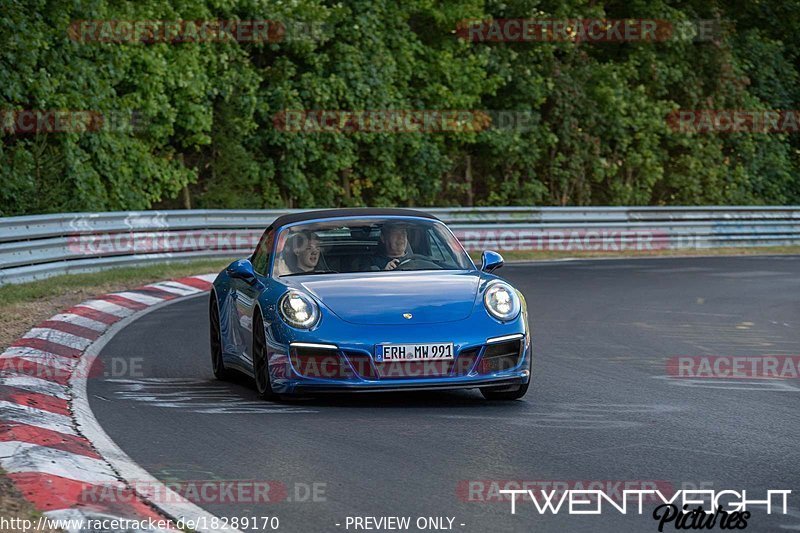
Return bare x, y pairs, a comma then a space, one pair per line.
368, 300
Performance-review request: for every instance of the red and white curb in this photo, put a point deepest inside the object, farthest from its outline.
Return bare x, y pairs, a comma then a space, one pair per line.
51, 445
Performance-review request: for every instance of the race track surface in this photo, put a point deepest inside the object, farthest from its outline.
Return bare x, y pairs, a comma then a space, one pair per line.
601, 407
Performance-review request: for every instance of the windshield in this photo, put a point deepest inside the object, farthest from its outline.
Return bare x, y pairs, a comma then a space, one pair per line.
367, 245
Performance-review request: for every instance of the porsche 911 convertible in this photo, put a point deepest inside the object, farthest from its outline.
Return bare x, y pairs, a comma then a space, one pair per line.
368, 300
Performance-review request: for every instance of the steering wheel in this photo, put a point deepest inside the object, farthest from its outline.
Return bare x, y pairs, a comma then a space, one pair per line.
417, 262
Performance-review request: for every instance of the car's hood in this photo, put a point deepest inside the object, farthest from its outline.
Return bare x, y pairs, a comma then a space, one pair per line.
383, 298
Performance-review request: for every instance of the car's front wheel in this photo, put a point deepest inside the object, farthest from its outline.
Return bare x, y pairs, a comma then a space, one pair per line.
505, 393
261, 361
217, 363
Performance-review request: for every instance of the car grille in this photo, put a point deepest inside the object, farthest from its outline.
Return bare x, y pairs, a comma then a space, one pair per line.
367, 369
414, 369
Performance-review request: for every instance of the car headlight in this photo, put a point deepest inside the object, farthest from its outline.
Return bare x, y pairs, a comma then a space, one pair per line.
298, 310
501, 300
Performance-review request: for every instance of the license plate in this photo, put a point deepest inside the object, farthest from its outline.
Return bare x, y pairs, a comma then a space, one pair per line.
413, 352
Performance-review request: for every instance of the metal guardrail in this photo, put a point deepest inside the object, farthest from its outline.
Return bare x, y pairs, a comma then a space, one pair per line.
33, 247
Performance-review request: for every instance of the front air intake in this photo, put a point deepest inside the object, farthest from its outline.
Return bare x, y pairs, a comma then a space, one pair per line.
319, 363
500, 356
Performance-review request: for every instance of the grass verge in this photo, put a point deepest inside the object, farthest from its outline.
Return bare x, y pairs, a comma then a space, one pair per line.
15, 509
26, 304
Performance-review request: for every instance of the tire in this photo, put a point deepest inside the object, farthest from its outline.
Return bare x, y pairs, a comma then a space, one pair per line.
217, 363
505, 394
260, 368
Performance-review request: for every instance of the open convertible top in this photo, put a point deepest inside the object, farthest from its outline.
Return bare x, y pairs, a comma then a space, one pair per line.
351, 212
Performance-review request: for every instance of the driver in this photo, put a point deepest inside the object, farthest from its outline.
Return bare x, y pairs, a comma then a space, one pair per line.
393, 248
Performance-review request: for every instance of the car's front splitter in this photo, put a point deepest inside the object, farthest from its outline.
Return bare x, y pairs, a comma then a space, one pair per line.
309, 386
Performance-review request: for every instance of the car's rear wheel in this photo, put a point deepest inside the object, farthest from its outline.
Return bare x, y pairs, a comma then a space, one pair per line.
260, 361
217, 363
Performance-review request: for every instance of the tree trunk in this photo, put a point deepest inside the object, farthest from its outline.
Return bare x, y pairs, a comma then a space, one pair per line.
345, 174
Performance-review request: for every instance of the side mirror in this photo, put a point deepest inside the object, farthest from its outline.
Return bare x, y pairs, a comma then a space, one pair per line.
242, 269
491, 261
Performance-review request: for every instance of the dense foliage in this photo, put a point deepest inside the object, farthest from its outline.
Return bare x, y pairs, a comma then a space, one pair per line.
205, 134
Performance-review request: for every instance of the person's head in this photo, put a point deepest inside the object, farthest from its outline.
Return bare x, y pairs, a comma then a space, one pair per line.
305, 247
395, 239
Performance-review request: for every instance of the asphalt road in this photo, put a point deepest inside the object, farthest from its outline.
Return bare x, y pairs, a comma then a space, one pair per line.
601, 407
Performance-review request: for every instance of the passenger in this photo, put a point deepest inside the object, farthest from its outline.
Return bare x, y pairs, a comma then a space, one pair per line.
301, 254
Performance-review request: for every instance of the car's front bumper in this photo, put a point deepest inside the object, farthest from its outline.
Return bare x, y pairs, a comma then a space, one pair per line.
301, 368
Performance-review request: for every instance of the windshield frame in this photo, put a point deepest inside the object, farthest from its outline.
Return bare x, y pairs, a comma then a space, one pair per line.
279, 234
